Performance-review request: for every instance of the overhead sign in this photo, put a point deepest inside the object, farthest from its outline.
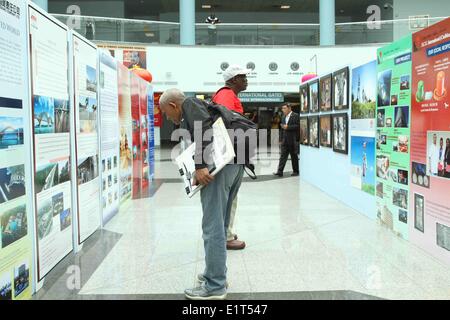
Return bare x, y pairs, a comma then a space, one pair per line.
261, 97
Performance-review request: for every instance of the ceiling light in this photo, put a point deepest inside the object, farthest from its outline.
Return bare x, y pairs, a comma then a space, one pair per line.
206, 6
285, 7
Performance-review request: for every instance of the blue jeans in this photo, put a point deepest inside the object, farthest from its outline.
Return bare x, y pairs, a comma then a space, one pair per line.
217, 199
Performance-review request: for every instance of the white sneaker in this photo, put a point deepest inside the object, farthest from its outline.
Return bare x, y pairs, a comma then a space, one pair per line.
200, 293
201, 279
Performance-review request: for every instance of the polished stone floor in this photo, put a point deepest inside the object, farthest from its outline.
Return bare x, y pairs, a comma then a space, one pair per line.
301, 244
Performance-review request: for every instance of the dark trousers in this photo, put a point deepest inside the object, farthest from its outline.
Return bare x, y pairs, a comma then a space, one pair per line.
286, 150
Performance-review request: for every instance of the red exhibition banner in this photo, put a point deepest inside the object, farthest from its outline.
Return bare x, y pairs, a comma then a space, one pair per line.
430, 140
157, 110
135, 115
144, 138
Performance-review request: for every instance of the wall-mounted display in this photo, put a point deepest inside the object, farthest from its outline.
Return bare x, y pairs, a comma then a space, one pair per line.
304, 132
304, 99
325, 131
326, 93
313, 126
314, 96
430, 138
340, 133
341, 89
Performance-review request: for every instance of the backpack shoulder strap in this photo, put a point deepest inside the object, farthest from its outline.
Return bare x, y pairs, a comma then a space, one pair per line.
217, 92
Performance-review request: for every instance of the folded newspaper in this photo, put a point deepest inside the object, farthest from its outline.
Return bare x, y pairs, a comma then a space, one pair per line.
222, 153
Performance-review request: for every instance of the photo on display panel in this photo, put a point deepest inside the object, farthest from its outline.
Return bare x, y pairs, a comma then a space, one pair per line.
11, 132
443, 236
87, 169
381, 118
87, 114
379, 190
65, 219
419, 175
363, 90
419, 212
43, 115
10, 103
304, 99
326, 93
401, 117
382, 166
5, 287
21, 278
403, 216
304, 132
45, 218
340, 133
400, 198
62, 116
313, 125
341, 89
438, 154
13, 224
314, 96
325, 131
384, 88
12, 183
91, 79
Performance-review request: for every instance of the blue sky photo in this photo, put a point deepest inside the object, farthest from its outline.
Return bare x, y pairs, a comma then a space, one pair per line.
368, 76
357, 156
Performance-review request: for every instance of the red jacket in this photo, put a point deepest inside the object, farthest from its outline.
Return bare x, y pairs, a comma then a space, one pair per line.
226, 97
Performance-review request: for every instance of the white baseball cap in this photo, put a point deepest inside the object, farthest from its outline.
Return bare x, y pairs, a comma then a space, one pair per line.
234, 70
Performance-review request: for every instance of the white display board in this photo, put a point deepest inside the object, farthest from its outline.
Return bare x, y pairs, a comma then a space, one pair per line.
197, 69
86, 176
51, 135
16, 267
110, 139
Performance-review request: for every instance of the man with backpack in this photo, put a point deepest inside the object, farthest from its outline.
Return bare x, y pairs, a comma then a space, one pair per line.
235, 81
217, 195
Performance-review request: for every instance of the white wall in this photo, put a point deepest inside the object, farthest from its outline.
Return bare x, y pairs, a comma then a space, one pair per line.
405, 8
197, 69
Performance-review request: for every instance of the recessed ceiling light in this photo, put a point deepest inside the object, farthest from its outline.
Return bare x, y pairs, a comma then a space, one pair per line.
206, 6
285, 7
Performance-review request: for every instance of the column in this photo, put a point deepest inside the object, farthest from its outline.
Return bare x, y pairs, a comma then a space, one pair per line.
327, 22
42, 3
187, 22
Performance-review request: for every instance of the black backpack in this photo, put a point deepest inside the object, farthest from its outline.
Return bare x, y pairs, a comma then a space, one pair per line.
245, 145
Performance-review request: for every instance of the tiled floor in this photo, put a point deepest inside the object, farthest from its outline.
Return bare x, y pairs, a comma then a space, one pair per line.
298, 240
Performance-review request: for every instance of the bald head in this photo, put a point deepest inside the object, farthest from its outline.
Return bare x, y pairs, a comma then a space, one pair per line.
170, 103
172, 95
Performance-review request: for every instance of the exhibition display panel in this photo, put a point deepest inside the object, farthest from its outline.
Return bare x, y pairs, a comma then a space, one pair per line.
16, 221
86, 177
51, 135
393, 121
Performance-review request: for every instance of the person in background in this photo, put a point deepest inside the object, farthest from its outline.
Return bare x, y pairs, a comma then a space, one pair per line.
441, 157
433, 157
235, 81
289, 141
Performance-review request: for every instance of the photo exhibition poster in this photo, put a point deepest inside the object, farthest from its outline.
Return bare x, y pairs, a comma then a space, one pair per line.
362, 135
393, 119
50, 96
86, 137
15, 207
430, 138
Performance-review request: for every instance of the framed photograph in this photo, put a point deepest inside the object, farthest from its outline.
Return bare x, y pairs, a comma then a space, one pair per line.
313, 126
419, 212
325, 93
304, 132
304, 99
325, 131
314, 96
340, 89
340, 133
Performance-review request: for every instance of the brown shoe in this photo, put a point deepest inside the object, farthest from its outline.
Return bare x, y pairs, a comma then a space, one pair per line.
235, 245
235, 237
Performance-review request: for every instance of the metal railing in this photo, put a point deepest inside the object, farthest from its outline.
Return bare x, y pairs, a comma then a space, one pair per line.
269, 34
